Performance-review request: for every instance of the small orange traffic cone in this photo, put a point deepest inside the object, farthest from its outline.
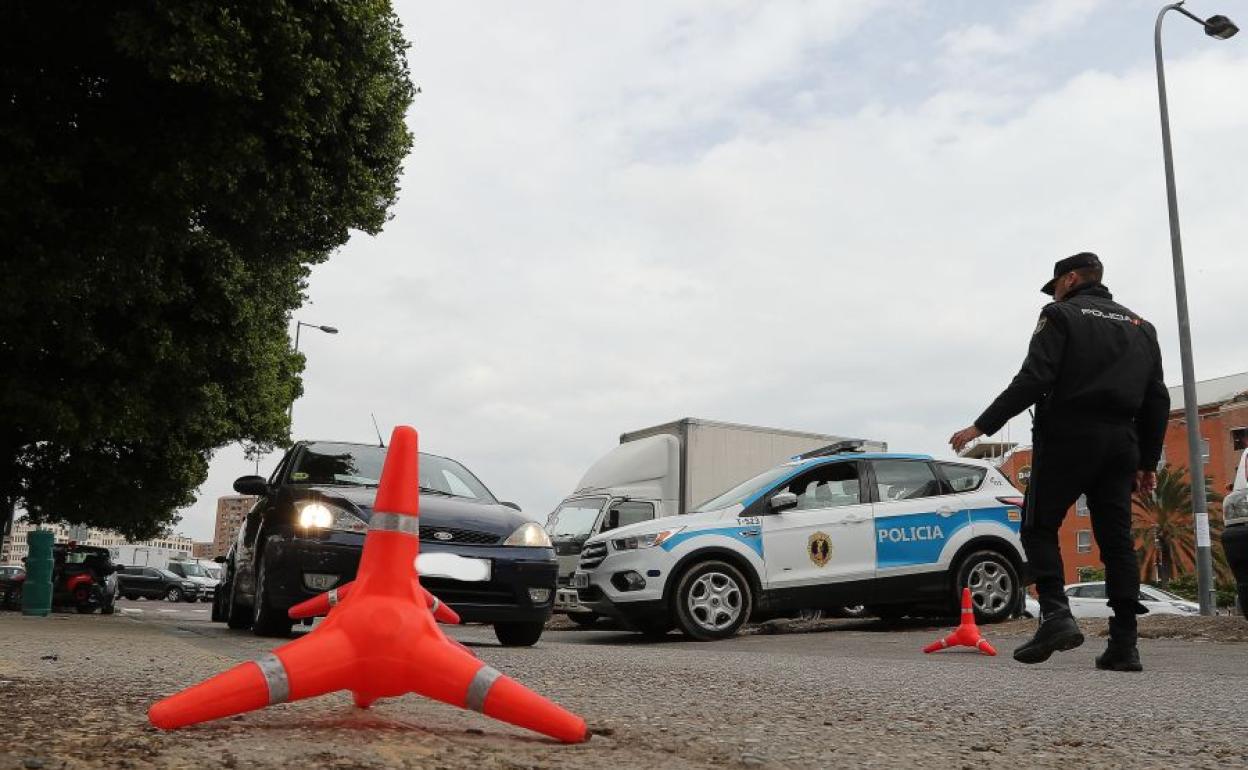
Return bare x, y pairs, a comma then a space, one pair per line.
966, 634
380, 641
319, 606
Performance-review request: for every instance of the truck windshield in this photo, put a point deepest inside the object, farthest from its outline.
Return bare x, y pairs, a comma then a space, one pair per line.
746, 489
575, 518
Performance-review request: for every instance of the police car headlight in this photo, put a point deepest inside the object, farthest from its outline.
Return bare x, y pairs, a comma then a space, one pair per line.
1235, 507
529, 534
318, 514
644, 541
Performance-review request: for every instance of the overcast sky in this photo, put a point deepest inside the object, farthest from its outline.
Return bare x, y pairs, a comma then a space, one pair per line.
825, 216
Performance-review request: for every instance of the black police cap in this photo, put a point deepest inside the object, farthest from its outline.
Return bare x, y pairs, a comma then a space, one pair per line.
1063, 266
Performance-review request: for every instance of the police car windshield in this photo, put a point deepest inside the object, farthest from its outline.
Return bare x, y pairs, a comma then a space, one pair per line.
575, 518
746, 489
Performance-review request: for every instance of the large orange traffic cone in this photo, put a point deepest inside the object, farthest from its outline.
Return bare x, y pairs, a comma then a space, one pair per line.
319, 606
380, 641
966, 634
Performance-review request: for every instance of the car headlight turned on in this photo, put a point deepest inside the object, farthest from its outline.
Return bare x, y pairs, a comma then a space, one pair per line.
529, 534
318, 514
1235, 507
644, 541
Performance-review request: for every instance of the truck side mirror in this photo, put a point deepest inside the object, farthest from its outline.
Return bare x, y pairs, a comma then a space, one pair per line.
251, 485
782, 501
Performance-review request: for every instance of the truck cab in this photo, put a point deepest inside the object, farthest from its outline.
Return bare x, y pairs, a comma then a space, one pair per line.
635, 482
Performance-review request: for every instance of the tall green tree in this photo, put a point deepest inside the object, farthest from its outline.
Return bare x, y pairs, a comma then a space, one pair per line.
1164, 534
169, 171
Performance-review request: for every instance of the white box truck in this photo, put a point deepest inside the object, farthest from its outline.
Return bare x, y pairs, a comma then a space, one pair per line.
666, 470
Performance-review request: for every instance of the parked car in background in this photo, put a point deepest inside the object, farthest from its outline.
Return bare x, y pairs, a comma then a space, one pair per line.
10, 571
305, 534
1089, 600
1235, 531
156, 583
197, 574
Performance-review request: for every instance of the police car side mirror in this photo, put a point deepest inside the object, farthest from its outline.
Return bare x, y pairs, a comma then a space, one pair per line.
782, 501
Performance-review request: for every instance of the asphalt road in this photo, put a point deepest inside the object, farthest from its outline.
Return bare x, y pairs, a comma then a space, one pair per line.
860, 694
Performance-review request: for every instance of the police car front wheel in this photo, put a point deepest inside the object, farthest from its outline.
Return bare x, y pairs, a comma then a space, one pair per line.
993, 581
713, 600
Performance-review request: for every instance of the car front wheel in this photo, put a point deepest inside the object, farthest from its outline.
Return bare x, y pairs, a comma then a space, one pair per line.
237, 616
174, 594
266, 620
518, 634
713, 600
993, 581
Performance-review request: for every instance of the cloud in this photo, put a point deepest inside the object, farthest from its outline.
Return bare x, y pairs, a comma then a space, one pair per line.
1035, 23
613, 218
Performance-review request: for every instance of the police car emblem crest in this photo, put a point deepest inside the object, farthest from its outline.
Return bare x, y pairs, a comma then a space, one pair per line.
1039, 326
819, 548
442, 535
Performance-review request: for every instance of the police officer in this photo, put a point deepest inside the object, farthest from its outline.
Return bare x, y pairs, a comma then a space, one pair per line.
1093, 370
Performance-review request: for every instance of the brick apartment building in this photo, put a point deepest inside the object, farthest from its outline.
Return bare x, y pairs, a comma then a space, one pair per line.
1223, 410
231, 509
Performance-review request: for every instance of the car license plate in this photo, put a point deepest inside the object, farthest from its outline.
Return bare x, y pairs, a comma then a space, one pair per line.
454, 566
580, 580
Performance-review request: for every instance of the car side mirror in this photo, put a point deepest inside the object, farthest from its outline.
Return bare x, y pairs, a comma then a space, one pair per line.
251, 485
513, 506
782, 501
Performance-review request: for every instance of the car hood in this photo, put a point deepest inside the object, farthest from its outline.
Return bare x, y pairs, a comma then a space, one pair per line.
435, 510
668, 522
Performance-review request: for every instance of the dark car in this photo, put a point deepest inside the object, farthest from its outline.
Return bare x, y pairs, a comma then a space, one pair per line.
156, 583
305, 534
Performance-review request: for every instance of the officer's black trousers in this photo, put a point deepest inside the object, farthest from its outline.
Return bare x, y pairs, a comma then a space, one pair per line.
1098, 460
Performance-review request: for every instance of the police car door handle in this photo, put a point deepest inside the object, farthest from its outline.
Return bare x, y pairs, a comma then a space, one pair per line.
853, 518
945, 511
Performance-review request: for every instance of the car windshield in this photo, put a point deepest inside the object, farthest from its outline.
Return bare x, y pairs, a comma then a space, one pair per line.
360, 465
747, 489
575, 518
194, 570
213, 572
166, 574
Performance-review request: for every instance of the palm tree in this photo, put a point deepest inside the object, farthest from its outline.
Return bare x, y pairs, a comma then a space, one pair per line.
1164, 535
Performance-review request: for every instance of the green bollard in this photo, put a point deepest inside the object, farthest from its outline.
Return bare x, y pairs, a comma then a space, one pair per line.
37, 588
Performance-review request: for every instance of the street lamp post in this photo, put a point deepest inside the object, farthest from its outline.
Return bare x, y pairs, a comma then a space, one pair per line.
1221, 28
290, 416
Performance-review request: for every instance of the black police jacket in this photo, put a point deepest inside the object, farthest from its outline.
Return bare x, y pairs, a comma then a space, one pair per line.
1090, 359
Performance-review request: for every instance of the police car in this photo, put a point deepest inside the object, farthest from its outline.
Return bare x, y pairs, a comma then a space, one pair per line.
898, 533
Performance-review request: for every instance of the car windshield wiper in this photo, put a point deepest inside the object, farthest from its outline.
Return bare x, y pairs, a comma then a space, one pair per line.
438, 492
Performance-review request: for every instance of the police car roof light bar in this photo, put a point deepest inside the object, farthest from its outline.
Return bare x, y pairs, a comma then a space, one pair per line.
840, 447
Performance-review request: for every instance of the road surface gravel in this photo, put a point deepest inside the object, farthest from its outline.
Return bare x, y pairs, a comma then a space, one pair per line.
76, 690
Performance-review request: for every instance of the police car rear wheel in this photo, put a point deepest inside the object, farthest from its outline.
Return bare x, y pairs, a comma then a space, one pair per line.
713, 600
993, 582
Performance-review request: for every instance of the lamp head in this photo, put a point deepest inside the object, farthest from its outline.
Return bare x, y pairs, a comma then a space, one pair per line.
1220, 27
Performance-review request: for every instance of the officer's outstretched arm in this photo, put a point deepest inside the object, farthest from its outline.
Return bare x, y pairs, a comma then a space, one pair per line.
1154, 412
1035, 378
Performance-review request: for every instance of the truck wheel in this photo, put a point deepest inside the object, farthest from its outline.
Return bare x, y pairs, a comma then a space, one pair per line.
583, 619
237, 616
266, 620
174, 594
519, 634
993, 581
713, 600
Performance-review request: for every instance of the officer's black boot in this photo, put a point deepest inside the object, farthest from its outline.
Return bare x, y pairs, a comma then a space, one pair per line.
1057, 633
1121, 654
